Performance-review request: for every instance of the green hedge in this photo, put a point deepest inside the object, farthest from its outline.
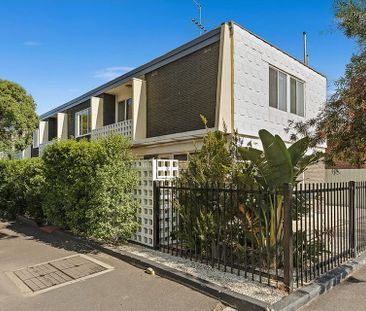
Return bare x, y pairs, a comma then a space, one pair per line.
84, 186
89, 187
21, 187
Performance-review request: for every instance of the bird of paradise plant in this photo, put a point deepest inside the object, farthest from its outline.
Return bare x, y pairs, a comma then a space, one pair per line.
273, 167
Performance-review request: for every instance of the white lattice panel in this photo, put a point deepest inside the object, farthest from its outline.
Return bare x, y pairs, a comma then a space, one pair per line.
123, 128
148, 172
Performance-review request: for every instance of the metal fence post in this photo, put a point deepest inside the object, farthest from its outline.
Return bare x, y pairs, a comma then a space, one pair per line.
156, 215
288, 237
352, 218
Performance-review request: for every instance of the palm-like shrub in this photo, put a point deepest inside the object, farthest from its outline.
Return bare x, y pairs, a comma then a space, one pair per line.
273, 167
241, 222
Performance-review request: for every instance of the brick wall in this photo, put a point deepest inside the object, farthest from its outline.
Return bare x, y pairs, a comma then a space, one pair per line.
179, 92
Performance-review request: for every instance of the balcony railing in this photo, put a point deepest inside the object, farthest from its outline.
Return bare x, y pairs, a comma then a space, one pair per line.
123, 127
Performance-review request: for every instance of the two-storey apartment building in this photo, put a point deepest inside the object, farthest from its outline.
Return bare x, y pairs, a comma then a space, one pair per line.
229, 75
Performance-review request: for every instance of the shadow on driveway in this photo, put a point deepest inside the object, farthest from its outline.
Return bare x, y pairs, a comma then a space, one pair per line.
53, 240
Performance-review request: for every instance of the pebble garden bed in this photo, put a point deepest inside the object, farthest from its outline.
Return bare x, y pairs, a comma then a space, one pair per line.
235, 283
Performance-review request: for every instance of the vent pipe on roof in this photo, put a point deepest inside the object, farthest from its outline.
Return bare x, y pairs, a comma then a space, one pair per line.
305, 49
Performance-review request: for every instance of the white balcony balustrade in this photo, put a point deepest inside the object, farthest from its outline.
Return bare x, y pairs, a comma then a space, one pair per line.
122, 127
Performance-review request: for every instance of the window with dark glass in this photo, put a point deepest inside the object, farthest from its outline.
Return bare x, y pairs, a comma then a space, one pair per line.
277, 89
83, 122
297, 97
124, 110
272, 88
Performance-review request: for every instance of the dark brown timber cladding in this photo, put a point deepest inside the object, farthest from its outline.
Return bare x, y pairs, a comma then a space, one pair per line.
71, 116
179, 92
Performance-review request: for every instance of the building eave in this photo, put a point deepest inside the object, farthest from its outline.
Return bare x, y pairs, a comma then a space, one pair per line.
183, 50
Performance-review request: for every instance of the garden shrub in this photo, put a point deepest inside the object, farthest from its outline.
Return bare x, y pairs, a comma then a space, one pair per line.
21, 185
250, 207
89, 187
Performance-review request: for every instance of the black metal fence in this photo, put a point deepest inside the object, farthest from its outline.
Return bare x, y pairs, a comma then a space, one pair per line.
289, 236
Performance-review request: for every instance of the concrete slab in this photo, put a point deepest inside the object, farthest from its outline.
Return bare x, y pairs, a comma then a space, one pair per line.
348, 295
124, 288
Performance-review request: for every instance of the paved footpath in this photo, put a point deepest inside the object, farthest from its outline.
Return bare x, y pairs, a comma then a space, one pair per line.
350, 295
124, 288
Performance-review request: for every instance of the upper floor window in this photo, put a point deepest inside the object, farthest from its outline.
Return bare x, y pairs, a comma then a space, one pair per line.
277, 89
124, 110
278, 92
83, 121
297, 97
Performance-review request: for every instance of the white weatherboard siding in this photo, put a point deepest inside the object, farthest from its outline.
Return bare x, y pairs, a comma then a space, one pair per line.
252, 59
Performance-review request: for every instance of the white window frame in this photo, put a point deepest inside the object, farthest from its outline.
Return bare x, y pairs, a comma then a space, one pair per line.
304, 98
86, 111
288, 92
126, 108
278, 71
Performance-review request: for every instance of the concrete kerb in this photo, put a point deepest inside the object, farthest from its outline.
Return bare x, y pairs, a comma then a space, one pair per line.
292, 302
320, 286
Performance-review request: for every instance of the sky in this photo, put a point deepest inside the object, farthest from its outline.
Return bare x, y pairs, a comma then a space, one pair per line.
60, 49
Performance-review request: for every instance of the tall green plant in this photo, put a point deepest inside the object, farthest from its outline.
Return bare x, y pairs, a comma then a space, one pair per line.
203, 212
89, 187
277, 164
249, 207
273, 167
21, 188
18, 117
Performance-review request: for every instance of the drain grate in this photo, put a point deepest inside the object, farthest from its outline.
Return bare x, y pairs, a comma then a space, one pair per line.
59, 272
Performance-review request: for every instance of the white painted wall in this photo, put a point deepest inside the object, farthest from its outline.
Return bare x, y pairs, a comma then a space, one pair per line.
252, 58
43, 132
139, 109
96, 106
62, 125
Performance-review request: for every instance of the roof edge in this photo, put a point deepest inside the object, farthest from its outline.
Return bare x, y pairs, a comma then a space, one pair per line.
209, 37
277, 48
158, 62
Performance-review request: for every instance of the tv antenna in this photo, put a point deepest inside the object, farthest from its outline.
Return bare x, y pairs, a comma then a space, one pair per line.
198, 22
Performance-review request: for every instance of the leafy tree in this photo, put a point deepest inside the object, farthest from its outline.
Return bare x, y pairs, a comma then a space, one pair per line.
342, 121
351, 18
216, 161
17, 117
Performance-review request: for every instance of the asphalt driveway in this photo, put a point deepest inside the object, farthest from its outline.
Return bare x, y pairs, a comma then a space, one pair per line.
124, 288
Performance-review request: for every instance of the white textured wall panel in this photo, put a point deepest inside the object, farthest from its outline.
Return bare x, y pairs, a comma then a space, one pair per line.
252, 58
